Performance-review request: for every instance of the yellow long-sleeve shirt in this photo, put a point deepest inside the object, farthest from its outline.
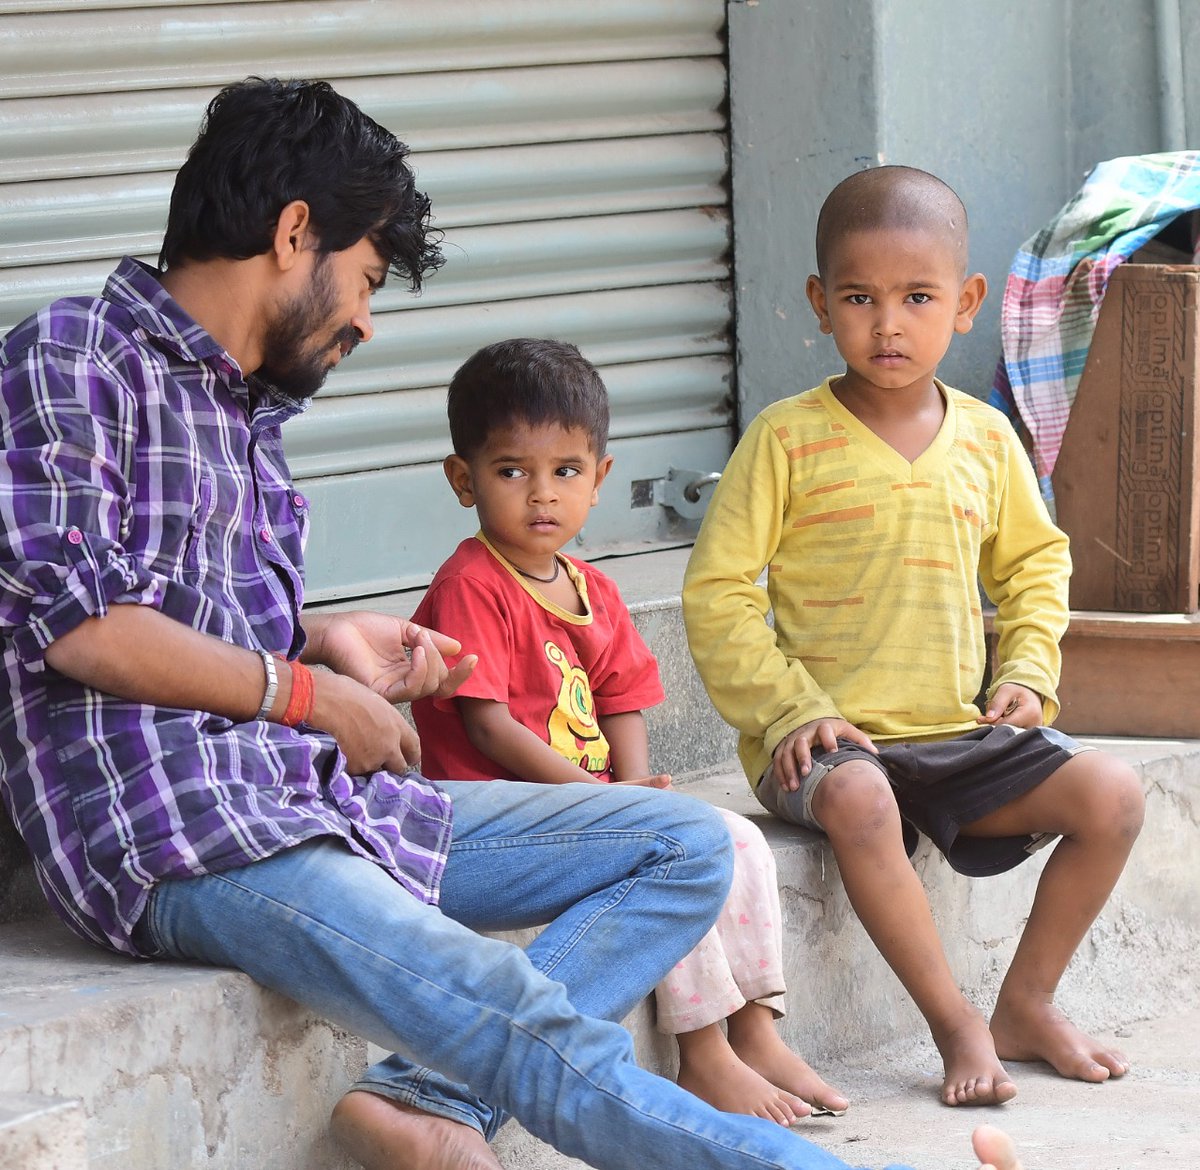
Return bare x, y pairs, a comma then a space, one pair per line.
872, 576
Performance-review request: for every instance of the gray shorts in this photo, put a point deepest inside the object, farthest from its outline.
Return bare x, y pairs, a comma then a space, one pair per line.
943, 785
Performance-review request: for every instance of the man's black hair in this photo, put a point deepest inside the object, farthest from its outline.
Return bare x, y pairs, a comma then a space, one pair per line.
266, 142
526, 380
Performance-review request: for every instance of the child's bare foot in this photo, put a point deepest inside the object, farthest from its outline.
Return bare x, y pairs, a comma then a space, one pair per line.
1039, 1031
753, 1038
994, 1149
711, 1070
380, 1134
974, 1074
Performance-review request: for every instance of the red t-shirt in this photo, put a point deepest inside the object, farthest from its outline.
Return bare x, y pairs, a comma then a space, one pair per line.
557, 671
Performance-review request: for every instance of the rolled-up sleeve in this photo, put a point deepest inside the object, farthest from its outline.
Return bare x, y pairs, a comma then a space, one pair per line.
69, 429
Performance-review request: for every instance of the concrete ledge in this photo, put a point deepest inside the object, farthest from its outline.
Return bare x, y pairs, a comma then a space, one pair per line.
174, 1065
39, 1133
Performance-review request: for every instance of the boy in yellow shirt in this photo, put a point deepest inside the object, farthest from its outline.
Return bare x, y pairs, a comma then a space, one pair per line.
875, 502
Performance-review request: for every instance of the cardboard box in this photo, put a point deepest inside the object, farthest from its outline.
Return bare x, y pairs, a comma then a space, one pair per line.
1125, 481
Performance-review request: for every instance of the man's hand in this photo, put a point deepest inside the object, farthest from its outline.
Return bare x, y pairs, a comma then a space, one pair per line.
370, 731
394, 657
1015, 704
792, 759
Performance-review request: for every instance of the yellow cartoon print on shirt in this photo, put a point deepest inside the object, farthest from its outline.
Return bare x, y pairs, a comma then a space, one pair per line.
572, 728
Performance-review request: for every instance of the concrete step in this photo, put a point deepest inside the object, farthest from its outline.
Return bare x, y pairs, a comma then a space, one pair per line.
173, 1065
41, 1133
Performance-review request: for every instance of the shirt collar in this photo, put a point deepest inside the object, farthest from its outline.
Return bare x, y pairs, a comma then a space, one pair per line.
136, 287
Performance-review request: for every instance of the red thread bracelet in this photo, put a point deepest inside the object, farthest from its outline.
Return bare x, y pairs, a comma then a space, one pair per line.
300, 701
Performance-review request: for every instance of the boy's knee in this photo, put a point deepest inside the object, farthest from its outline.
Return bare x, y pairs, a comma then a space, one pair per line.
855, 800
1114, 800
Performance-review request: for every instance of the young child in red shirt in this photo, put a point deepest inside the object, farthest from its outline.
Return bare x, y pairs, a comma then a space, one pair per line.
559, 689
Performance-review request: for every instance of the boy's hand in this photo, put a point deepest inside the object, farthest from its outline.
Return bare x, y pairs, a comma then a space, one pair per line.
792, 759
662, 780
1015, 704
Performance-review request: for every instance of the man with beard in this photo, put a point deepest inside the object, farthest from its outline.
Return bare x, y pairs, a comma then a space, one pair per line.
190, 789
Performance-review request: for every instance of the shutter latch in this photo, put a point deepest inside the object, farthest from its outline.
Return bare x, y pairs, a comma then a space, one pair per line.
685, 491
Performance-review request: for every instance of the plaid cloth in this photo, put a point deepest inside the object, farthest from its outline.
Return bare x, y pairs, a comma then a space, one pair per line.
1053, 294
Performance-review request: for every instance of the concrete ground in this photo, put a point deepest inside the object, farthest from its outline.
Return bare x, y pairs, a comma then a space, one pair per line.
1147, 1120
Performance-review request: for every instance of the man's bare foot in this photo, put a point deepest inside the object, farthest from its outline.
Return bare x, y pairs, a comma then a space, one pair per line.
711, 1070
380, 1134
974, 1074
1039, 1031
755, 1041
994, 1149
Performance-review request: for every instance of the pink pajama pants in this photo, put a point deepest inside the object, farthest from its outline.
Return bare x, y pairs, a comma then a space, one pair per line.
740, 960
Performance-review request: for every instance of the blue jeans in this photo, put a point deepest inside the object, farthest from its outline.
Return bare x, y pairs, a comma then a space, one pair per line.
628, 880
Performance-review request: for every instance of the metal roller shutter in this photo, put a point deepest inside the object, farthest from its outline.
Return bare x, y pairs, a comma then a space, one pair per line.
576, 158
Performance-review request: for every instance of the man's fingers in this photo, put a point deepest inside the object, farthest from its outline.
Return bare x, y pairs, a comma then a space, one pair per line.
410, 745
412, 684
457, 675
443, 643
435, 665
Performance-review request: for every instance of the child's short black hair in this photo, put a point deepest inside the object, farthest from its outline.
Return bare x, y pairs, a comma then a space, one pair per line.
891, 198
530, 380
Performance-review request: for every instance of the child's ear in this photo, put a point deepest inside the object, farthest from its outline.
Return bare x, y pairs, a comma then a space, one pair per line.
602, 470
816, 297
458, 475
970, 298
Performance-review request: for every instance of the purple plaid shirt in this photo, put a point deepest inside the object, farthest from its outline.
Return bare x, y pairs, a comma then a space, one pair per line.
138, 466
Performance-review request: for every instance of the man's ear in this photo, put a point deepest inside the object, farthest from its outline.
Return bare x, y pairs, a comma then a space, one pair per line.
815, 291
292, 231
970, 298
602, 470
458, 476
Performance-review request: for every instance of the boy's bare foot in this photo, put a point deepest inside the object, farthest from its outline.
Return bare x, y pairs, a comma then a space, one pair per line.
754, 1040
380, 1134
974, 1074
994, 1149
712, 1071
1039, 1031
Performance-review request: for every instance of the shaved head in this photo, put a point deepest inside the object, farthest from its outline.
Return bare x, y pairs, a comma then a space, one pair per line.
891, 199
